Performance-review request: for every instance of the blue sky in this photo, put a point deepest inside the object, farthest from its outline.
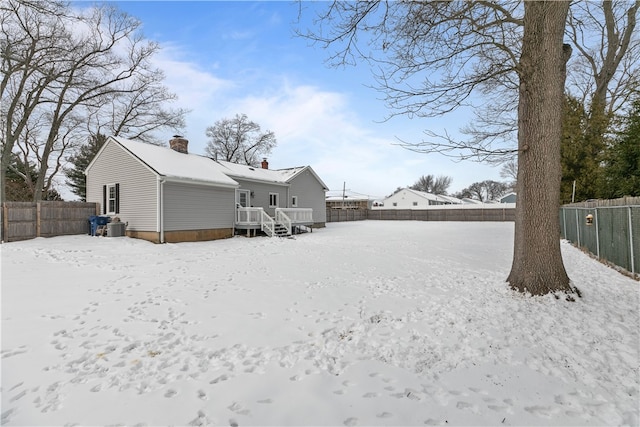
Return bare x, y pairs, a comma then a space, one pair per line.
226, 58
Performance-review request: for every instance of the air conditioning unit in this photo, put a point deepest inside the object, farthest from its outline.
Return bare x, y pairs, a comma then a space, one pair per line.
116, 229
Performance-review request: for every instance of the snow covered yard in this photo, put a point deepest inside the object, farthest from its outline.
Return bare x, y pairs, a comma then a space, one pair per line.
361, 323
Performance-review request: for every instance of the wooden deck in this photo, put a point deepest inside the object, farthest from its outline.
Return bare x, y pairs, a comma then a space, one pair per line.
287, 221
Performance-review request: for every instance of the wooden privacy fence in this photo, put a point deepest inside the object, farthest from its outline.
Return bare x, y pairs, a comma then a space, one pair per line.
28, 220
448, 214
341, 215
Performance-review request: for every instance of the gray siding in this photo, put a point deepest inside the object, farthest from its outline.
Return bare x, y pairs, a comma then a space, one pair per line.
310, 194
197, 207
260, 196
138, 186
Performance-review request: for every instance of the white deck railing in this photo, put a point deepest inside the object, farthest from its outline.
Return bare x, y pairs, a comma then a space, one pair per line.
254, 217
267, 224
297, 215
248, 216
282, 218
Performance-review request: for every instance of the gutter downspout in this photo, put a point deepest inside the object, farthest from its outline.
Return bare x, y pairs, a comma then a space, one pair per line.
161, 208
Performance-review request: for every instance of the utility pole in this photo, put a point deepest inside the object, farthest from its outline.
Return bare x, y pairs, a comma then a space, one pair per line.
344, 189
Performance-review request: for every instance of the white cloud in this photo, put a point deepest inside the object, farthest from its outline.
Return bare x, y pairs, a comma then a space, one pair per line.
313, 127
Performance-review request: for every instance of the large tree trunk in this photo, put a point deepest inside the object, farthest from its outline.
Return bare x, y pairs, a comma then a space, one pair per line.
537, 261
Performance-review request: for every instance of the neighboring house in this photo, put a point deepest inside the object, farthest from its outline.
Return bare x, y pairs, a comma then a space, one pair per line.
508, 198
168, 195
413, 199
343, 199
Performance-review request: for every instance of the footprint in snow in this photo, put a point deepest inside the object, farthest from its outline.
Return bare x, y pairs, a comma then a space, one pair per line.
223, 377
351, 421
170, 393
18, 396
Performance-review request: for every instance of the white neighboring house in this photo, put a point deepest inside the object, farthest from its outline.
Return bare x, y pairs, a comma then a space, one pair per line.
413, 199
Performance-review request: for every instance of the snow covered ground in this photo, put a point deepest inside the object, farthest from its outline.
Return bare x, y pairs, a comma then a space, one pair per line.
360, 323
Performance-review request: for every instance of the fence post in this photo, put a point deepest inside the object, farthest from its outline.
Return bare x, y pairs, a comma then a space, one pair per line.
597, 235
38, 219
633, 269
578, 226
5, 223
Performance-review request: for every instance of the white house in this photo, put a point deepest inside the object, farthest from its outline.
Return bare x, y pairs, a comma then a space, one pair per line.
168, 195
413, 199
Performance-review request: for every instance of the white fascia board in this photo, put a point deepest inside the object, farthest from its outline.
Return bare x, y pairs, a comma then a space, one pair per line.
180, 180
259, 181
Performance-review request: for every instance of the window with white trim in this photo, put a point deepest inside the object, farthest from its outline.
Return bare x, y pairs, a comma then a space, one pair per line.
294, 201
273, 200
111, 199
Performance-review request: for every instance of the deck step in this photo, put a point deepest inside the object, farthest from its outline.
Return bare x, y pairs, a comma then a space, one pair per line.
280, 230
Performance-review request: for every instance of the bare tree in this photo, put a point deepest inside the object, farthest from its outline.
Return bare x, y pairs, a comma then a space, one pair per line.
239, 140
433, 185
603, 74
139, 110
72, 71
607, 66
509, 171
30, 44
433, 55
485, 191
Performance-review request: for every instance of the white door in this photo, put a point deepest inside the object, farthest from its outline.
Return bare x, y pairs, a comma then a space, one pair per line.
242, 198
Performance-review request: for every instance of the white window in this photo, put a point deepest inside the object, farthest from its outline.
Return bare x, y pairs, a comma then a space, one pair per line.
111, 199
294, 201
273, 200
415, 203
395, 204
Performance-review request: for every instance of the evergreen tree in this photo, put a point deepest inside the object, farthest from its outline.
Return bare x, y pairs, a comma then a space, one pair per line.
76, 179
622, 170
21, 178
581, 154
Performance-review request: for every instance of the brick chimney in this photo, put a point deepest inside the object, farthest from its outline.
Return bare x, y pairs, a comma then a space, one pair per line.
179, 144
265, 164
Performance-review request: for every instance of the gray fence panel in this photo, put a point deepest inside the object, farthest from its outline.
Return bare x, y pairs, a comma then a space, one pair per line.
570, 220
613, 227
613, 237
635, 231
588, 232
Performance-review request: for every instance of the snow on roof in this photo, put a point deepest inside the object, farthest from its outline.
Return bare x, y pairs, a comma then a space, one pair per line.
283, 176
258, 173
170, 163
337, 195
435, 197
